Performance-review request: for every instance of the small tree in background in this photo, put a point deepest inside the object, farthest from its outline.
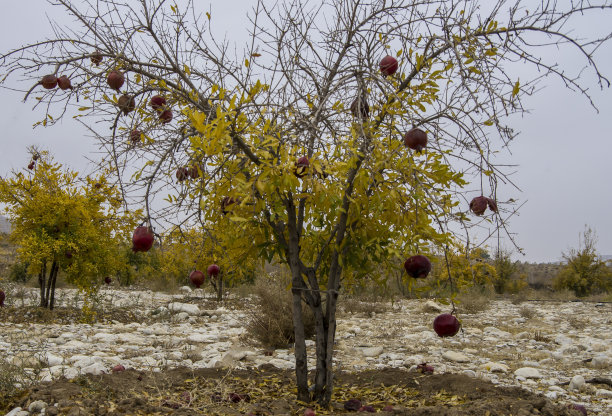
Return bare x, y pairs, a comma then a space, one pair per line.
506, 271
62, 223
585, 272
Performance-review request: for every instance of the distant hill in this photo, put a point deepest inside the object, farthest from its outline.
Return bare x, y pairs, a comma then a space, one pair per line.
5, 225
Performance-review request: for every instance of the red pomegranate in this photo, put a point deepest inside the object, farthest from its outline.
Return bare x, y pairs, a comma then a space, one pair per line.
417, 266
49, 82
301, 167
416, 139
118, 368
31, 165
115, 80
182, 174
63, 83
96, 57
225, 203
142, 239
193, 172
126, 103
135, 136
479, 205
165, 116
213, 270
492, 204
360, 108
2, 297
197, 278
388, 65
446, 325
158, 102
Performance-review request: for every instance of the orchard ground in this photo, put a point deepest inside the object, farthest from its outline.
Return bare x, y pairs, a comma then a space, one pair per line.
186, 354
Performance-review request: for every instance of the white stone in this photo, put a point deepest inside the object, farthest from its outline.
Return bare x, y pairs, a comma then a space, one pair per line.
528, 372
185, 289
51, 359
563, 340
576, 383
372, 351
552, 395
455, 356
184, 307
14, 411
96, 369
431, 306
37, 406
600, 361
105, 337
282, 364
469, 373
494, 367
603, 393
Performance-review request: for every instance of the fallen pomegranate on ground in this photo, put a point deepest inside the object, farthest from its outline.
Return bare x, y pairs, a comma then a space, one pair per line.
108, 280
197, 278
309, 412
446, 325
578, 407
352, 405
367, 409
417, 266
425, 368
416, 139
142, 239
388, 65
118, 368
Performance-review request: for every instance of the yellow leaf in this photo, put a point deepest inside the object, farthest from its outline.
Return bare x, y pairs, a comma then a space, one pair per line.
208, 15
516, 89
255, 55
246, 63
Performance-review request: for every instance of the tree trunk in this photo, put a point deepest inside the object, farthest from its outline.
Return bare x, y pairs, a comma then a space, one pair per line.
41, 283
220, 288
53, 279
49, 281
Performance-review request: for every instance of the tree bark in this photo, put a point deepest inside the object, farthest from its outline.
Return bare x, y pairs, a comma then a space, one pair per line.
41, 283
53, 279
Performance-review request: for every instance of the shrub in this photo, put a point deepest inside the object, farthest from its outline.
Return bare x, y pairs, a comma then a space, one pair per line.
270, 320
18, 272
506, 272
585, 273
473, 300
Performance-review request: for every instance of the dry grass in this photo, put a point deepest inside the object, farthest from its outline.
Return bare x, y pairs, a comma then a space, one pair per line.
271, 318
356, 306
527, 312
473, 301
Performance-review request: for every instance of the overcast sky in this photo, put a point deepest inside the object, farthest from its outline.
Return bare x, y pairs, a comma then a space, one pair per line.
564, 151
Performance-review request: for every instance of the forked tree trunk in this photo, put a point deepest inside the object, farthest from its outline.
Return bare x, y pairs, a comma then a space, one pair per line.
47, 285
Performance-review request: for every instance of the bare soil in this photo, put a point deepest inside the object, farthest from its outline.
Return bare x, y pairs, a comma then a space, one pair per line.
268, 391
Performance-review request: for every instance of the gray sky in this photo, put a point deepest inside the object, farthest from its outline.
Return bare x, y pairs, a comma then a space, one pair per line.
563, 152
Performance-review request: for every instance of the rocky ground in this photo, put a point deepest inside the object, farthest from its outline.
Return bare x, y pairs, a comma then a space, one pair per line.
561, 351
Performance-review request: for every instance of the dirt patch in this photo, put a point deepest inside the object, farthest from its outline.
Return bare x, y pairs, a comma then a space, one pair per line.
268, 391
64, 315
